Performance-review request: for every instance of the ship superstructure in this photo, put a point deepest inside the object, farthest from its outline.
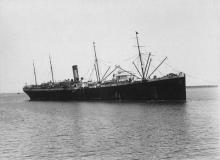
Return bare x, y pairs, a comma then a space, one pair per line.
124, 84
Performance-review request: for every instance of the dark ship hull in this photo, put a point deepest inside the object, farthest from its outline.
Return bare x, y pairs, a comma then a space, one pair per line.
156, 89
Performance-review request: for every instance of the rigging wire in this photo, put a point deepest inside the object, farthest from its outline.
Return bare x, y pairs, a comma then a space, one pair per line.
84, 75
172, 68
91, 73
106, 63
191, 76
124, 60
130, 58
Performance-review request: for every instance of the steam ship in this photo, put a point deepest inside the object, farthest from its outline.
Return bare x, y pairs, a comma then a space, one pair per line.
124, 85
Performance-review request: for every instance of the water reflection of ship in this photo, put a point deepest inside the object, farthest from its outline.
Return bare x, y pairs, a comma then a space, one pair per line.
124, 85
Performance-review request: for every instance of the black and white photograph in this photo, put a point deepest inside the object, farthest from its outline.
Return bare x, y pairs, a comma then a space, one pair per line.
109, 80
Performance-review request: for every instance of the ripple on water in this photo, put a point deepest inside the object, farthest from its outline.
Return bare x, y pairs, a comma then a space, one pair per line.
110, 130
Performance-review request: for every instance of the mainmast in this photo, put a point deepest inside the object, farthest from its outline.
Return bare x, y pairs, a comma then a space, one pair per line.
51, 69
142, 69
35, 76
96, 64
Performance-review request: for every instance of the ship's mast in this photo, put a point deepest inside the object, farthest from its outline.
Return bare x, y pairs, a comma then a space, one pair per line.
142, 69
35, 76
148, 67
145, 75
96, 63
96, 73
51, 69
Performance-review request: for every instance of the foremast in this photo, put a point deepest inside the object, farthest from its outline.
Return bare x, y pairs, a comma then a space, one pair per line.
140, 57
96, 65
145, 70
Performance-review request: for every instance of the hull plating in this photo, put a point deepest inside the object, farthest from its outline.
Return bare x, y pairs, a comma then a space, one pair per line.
164, 89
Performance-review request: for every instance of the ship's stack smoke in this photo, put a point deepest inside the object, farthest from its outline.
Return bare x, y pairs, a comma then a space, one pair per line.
75, 73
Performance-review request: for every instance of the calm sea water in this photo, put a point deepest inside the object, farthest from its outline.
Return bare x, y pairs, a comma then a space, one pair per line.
111, 130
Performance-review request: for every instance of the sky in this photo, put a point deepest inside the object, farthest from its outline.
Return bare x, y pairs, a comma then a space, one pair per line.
186, 31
